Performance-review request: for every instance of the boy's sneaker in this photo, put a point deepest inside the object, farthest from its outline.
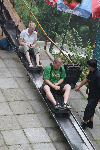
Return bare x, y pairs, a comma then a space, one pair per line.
90, 124
66, 106
83, 125
57, 106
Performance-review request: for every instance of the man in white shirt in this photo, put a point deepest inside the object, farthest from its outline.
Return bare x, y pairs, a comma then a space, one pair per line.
27, 41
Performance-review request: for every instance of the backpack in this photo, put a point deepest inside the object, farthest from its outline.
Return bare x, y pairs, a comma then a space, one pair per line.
4, 44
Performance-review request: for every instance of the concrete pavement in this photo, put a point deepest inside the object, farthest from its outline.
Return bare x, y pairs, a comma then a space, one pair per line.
24, 119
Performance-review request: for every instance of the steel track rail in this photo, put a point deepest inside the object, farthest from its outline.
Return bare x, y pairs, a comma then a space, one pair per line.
69, 126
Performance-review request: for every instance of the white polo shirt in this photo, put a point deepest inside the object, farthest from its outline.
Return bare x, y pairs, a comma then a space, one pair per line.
27, 38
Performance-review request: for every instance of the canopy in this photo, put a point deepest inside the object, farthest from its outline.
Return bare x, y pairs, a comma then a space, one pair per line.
84, 9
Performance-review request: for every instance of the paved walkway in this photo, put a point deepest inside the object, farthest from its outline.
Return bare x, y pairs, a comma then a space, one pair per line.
78, 103
24, 119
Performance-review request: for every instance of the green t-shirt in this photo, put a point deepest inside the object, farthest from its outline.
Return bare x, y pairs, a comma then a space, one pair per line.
55, 75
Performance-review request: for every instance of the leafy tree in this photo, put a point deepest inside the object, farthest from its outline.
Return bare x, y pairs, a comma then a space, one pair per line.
86, 28
52, 20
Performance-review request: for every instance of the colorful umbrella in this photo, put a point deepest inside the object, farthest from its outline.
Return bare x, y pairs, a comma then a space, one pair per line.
83, 9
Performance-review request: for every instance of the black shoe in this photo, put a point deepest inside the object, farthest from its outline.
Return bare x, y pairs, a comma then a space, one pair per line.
90, 124
65, 106
57, 106
83, 125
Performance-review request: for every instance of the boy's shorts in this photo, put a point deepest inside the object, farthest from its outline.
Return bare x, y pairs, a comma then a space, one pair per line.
59, 92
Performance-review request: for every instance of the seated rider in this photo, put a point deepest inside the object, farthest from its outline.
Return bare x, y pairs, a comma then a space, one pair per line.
53, 82
27, 41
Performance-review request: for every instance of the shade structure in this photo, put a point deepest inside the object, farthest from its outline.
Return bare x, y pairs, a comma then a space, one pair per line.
82, 10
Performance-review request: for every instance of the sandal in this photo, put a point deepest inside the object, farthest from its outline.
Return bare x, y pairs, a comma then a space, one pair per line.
65, 106
30, 66
39, 66
57, 106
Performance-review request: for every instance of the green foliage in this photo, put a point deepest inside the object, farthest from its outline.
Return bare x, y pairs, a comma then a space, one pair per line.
78, 55
25, 12
52, 20
86, 28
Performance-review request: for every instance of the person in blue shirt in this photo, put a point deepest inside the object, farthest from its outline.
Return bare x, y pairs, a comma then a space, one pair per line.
93, 79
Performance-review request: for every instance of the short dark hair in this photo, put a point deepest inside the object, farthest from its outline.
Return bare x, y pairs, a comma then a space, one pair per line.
92, 63
58, 60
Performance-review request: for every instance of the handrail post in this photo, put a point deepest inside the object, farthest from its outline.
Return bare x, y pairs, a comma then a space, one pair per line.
30, 13
29, 18
14, 2
45, 46
66, 31
37, 29
16, 31
21, 12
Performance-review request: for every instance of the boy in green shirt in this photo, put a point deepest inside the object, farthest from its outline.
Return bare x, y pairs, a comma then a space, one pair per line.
53, 82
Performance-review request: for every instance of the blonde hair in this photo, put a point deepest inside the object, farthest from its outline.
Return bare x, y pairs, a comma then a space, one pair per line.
32, 24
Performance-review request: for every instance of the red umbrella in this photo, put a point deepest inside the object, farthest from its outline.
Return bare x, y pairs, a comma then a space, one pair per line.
52, 2
95, 4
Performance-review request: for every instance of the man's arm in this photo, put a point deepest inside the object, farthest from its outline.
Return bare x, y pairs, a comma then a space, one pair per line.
59, 82
81, 84
22, 43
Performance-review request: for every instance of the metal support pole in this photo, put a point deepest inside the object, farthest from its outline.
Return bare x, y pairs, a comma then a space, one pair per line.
21, 12
16, 32
45, 46
38, 29
66, 32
